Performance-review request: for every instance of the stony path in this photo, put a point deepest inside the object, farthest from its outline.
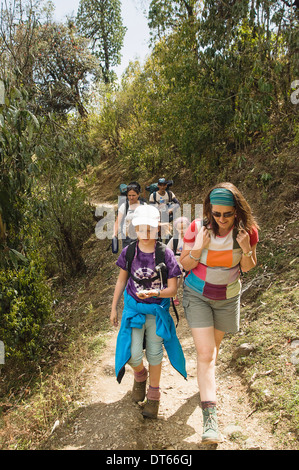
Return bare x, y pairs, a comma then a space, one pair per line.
109, 420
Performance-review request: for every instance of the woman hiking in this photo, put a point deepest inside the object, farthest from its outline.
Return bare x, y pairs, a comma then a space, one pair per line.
214, 252
125, 214
149, 287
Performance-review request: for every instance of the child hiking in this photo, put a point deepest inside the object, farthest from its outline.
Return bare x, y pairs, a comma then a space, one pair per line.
213, 254
148, 278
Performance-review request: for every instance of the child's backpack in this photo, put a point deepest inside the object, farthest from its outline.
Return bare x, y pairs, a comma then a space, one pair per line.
161, 267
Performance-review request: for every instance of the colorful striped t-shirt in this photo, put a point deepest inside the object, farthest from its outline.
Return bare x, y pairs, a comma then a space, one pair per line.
217, 275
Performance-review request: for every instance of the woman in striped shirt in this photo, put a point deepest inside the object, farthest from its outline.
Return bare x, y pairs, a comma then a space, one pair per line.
214, 253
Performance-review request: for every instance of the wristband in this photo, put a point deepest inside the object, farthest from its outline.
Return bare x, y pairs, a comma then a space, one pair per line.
158, 295
249, 254
195, 259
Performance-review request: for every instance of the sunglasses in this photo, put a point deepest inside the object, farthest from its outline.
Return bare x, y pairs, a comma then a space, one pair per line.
226, 215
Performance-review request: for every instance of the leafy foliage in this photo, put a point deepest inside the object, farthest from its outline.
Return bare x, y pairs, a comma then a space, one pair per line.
218, 77
25, 304
100, 21
17, 142
62, 230
63, 66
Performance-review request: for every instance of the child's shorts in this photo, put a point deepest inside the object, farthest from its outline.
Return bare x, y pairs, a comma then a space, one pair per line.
201, 312
153, 343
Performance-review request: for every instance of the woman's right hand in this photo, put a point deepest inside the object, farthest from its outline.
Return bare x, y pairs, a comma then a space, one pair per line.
202, 239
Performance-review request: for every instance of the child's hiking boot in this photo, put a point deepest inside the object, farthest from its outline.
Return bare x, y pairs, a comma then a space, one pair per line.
152, 403
210, 427
151, 409
139, 386
139, 391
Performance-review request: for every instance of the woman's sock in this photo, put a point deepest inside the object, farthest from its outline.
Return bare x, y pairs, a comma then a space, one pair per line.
208, 404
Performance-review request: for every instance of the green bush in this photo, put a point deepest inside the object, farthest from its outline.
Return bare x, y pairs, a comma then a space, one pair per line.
65, 224
25, 304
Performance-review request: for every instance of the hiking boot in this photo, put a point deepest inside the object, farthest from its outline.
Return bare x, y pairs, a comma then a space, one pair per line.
151, 409
210, 427
138, 391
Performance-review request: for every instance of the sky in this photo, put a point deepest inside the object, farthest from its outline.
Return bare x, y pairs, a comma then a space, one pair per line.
137, 35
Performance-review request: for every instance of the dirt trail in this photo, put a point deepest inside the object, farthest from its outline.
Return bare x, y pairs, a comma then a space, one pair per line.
109, 420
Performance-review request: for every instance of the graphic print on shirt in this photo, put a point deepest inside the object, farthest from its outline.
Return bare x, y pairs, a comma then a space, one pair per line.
146, 273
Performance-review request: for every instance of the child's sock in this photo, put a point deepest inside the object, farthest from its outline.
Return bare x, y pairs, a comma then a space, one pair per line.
141, 376
153, 393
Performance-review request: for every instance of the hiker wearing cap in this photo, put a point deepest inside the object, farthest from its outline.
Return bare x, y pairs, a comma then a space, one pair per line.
148, 285
125, 215
167, 203
214, 252
165, 199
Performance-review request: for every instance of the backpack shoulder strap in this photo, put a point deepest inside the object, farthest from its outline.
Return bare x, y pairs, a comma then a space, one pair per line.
160, 252
175, 244
130, 255
160, 258
169, 195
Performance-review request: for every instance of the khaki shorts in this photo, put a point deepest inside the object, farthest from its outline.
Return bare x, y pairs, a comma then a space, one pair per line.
201, 312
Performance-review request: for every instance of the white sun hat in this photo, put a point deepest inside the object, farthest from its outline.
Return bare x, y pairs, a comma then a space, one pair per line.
146, 215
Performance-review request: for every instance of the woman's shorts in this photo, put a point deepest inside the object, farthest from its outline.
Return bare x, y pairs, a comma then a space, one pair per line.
201, 312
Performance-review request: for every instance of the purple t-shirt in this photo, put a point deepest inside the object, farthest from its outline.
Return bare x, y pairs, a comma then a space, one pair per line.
143, 266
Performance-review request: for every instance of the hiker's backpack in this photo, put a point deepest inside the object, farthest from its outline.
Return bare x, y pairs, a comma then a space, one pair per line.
123, 189
161, 267
154, 186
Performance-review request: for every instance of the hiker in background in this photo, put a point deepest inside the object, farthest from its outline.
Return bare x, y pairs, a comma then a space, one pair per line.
125, 214
167, 203
176, 243
149, 285
213, 253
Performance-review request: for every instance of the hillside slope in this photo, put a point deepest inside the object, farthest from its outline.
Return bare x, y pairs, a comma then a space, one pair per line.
76, 391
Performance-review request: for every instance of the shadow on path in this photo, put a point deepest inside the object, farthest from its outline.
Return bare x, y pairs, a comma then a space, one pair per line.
120, 426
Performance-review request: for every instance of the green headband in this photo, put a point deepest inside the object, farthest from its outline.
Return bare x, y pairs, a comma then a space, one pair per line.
222, 197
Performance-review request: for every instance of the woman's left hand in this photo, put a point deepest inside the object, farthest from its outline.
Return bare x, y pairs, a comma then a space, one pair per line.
244, 240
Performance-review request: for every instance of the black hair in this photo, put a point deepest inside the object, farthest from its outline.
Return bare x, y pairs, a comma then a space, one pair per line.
134, 186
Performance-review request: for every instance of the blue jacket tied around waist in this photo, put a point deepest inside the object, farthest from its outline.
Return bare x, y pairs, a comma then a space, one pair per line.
134, 317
